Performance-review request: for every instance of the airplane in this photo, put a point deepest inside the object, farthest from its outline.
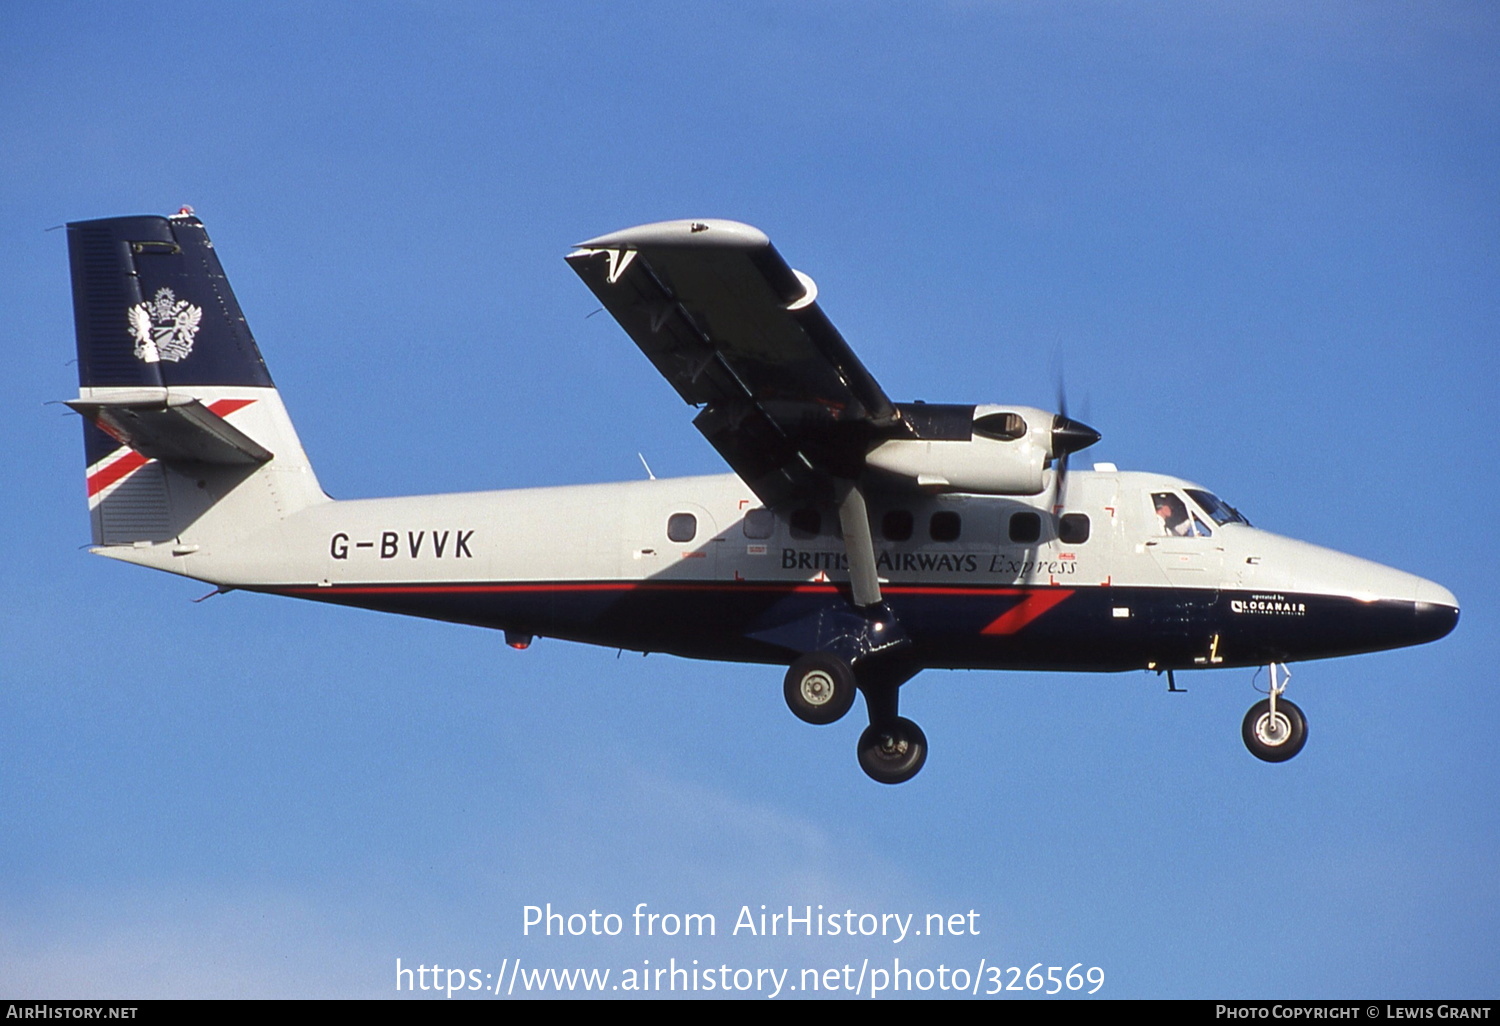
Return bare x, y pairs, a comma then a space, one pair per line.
857, 541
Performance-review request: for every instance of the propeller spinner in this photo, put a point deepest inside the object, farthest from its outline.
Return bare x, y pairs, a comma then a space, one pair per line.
1068, 436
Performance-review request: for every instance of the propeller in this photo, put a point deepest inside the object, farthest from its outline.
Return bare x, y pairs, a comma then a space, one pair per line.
1068, 436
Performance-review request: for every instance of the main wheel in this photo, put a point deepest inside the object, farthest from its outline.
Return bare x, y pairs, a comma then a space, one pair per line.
820, 688
1274, 738
893, 752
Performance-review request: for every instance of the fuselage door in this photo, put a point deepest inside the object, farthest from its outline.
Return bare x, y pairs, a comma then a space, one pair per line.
674, 540
1183, 545
1091, 509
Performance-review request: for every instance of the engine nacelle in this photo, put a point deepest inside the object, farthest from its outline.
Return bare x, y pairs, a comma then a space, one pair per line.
985, 449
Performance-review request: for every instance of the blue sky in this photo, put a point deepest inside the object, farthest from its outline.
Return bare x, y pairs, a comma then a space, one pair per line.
1260, 241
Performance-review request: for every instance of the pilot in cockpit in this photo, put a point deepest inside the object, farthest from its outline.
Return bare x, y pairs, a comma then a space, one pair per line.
1174, 516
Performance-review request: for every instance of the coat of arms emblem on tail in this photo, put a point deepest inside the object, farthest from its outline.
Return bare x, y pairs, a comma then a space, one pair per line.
164, 329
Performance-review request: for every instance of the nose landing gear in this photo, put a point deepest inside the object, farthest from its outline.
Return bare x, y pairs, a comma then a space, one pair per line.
1275, 729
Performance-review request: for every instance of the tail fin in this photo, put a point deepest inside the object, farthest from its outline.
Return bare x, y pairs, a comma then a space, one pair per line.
186, 440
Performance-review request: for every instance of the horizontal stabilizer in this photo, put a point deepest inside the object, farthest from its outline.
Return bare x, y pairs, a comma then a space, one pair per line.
172, 429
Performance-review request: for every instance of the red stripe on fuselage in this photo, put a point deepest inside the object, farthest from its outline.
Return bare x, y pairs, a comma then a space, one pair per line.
1033, 604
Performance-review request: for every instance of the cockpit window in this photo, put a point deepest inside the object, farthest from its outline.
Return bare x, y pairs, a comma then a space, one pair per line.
1175, 518
1221, 511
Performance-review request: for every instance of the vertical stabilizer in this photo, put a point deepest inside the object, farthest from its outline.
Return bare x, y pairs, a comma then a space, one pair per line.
187, 444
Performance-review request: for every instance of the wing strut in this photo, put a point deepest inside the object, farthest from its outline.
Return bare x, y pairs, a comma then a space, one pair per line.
871, 627
854, 519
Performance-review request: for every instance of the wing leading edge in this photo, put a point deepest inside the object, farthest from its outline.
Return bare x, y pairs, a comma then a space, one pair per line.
737, 331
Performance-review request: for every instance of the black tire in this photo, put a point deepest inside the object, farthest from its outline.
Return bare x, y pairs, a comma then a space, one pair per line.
1274, 740
820, 688
893, 752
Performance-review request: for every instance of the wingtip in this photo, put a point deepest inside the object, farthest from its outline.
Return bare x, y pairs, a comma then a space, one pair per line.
705, 232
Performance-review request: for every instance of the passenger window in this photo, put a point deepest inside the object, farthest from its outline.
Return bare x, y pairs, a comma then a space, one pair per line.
806, 523
896, 525
1025, 527
945, 526
759, 523
1073, 528
682, 527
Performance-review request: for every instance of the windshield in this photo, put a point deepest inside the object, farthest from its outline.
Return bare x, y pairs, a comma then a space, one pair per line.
1221, 512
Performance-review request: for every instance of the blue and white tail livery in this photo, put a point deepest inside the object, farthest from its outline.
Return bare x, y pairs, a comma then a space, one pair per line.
186, 441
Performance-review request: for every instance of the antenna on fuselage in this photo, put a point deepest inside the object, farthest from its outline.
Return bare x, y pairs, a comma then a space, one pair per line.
642, 458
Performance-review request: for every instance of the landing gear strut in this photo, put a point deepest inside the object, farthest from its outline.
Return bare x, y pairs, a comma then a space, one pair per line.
1275, 729
855, 646
892, 748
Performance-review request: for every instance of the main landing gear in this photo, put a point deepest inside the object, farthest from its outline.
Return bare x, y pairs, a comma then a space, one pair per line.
820, 689
892, 752
1275, 729
855, 646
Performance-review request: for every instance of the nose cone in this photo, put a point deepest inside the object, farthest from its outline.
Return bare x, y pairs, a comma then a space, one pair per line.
1353, 604
1436, 611
1068, 436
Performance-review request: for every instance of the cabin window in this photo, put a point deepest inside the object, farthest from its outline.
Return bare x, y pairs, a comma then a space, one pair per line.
682, 527
1025, 528
945, 526
759, 523
896, 525
1073, 528
806, 523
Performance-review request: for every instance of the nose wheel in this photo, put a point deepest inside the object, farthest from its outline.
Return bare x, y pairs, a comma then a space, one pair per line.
1275, 729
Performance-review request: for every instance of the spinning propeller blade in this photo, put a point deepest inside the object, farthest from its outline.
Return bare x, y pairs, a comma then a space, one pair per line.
1068, 436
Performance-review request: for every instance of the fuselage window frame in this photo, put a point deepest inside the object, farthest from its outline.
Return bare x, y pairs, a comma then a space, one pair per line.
945, 526
1026, 527
682, 528
759, 523
805, 523
1073, 528
897, 525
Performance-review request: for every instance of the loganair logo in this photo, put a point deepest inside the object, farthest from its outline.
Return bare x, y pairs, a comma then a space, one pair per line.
164, 328
1268, 605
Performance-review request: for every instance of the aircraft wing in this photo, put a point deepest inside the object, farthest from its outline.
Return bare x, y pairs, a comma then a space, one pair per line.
735, 330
